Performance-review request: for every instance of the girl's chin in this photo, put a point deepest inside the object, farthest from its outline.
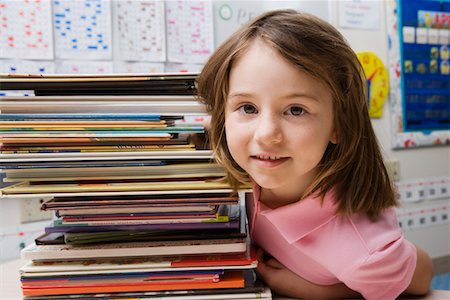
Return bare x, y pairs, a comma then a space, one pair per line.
267, 183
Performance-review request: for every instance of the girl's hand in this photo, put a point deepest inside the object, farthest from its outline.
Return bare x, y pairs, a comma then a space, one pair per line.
285, 282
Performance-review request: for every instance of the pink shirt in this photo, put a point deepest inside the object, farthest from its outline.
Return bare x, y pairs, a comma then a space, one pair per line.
325, 248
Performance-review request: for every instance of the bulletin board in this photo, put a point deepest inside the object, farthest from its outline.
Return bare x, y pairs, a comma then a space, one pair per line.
123, 36
419, 35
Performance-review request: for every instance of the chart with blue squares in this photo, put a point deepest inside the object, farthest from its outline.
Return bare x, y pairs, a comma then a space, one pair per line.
82, 27
425, 37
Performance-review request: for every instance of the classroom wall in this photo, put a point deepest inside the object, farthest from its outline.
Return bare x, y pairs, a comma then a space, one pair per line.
415, 164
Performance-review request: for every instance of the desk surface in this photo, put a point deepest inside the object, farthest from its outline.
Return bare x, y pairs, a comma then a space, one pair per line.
10, 284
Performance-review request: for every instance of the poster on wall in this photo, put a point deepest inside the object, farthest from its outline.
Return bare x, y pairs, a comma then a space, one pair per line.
25, 30
82, 29
140, 29
189, 30
419, 35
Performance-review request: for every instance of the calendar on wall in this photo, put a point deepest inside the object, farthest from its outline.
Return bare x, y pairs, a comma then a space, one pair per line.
105, 36
25, 29
419, 36
82, 29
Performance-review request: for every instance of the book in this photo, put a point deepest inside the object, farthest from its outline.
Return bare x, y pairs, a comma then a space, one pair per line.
81, 134
71, 151
68, 140
85, 238
134, 249
232, 279
81, 164
98, 214
198, 201
257, 292
99, 98
142, 227
217, 219
167, 169
81, 148
213, 213
124, 178
101, 132
77, 107
175, 140
119, 193
97, 155
123, 278
132, 209
124, 84
55, 123
229, 261
80, 116
40, 189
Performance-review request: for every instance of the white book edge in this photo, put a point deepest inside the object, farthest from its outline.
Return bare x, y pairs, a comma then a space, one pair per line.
49, 252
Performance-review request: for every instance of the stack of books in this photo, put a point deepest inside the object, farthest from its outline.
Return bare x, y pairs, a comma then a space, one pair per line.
140, 211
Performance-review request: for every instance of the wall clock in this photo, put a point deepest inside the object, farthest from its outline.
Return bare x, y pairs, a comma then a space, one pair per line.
377, 82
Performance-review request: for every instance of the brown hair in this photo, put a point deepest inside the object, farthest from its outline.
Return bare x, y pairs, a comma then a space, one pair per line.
354, 166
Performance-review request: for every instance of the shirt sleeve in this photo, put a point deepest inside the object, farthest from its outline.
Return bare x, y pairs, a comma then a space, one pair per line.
385, 273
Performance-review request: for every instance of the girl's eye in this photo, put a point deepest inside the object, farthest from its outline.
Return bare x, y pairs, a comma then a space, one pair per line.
296, 111
248, 109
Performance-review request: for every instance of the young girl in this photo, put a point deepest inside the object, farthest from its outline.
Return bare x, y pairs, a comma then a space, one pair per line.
289, 113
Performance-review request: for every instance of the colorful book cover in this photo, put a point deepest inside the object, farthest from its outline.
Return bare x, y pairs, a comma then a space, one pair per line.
234, 279
181, 226
104, 187
199, 200
245, 259
49, 252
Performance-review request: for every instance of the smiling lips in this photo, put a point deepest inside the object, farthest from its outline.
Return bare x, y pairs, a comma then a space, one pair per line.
269, 161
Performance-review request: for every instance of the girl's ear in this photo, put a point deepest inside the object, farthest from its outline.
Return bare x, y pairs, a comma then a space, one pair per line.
333, 138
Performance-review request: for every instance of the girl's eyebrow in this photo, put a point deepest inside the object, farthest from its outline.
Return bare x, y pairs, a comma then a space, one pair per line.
238, 94
302, 95
289, 96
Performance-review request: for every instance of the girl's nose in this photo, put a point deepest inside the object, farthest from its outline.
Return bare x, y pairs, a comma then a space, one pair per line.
268, 130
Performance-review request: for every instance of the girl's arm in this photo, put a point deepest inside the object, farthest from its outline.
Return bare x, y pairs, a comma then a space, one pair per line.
423, 274
285, 282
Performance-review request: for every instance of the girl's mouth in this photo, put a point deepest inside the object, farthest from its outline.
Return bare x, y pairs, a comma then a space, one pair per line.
269, 161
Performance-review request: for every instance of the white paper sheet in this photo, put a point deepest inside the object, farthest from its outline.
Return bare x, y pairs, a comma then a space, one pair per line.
140, 29
27, 67
138, 67
82, 29
26, 29
190, 33
84, 67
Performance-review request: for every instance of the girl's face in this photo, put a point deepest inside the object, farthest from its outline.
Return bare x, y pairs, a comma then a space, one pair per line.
278, 122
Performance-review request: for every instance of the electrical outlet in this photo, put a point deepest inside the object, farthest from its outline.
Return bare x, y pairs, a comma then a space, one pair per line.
30, 211
393, 168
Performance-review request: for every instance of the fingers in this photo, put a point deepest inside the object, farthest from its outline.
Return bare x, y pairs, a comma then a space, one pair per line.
259, 254
273, 263
266, 260
261, 268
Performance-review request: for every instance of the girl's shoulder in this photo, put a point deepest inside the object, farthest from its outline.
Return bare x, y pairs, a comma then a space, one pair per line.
376, 234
